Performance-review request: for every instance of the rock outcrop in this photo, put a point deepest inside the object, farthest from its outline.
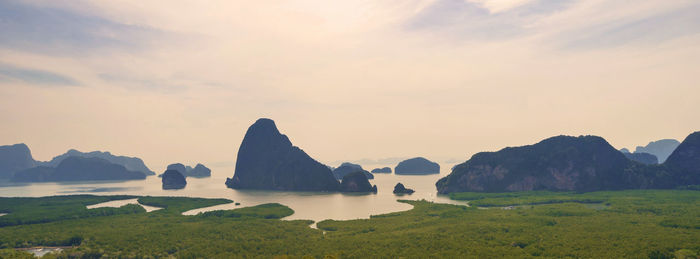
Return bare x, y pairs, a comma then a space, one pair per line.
199, 171
173, 179
15, 158
418, 166
78, 169
346, 168
356, 182
268, 160
384, 170
400, 189
644, 158
562, 163
684, 162
130, 163
660, 148
177, 167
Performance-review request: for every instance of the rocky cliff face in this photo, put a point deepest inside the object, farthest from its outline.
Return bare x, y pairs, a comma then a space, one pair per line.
15, 158
78, 169
130, 163
173, 179
684, 162
268, 160
356, 182
585, 163
417, 165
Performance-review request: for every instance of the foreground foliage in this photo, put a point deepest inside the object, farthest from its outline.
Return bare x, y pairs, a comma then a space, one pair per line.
637, 224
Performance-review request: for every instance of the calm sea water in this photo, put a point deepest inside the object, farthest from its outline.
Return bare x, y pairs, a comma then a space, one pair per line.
306, 205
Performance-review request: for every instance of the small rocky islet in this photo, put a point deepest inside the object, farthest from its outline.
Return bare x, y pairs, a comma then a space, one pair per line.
401, 189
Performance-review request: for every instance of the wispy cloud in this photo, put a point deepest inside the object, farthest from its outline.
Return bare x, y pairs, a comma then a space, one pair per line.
37, 77
649, 29
52, 30
483, 20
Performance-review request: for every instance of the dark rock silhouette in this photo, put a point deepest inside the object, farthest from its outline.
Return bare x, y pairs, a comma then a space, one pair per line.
684, 162
356, 182
177, 167
15, 158
660, 148
400, 189
385, 170
346, 168
585, 163
130, 163
199, 171
35, 174
268, 160
173, 179
644, 158
78, 169
417, 165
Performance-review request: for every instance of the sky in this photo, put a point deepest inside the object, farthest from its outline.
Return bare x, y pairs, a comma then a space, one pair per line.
371, 81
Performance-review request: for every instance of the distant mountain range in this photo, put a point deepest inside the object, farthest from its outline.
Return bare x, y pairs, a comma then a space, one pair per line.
130, 163
17, 164
564, 163
662, 149
77, 168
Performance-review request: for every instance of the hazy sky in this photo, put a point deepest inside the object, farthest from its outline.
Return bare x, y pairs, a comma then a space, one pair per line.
181, 81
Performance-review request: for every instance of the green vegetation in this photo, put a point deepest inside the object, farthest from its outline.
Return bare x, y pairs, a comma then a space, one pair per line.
526, 198
41, 210
266, 211
637, 224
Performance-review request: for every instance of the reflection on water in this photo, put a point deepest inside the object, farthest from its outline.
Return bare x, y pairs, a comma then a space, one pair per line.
306, 205
119, 203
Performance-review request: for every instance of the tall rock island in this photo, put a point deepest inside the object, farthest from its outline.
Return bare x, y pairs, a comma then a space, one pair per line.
267, 160
173, 179
15, 158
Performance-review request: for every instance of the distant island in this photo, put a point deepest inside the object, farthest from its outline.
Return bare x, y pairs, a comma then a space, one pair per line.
18, 158
417, 166
564, 163
78, 169
130, 163
199, 171
356, 182
347, 167
267, 160
384, 170
662, 149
